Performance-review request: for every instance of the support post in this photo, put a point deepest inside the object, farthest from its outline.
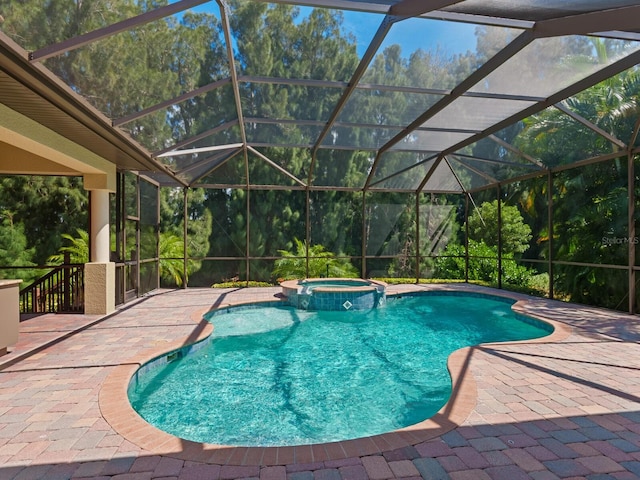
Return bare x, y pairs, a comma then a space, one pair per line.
499, 236
66, 281
185, 256
550, 229
99, 226
307, 234
138, 235
99, 272
157, 237
247, 251
632, 232
364, 235
466, 238
418, 237
119, 253
10, 306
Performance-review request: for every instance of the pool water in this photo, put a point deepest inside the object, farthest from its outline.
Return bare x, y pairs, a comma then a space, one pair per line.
280, 376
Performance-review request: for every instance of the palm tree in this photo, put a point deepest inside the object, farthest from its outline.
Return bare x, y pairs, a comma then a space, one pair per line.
611, 105
171, 254
77, 249
321, 263
590, 202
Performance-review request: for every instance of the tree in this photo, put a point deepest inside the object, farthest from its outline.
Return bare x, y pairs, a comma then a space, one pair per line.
13, 250
483, 265
321, 264
590, 226
46, 208
277, 41
77, 249
171, 252
199, 227
483, 248
136, 69
483, 227
589, 202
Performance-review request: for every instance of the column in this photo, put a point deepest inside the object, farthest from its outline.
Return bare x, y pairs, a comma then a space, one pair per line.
100, 272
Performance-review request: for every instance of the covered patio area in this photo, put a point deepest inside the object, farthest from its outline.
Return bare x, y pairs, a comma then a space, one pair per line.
540, 410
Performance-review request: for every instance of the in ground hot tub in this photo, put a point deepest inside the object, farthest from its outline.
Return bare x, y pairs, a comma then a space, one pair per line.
338, 294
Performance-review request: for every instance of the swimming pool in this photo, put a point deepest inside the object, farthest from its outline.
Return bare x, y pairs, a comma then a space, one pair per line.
276, 375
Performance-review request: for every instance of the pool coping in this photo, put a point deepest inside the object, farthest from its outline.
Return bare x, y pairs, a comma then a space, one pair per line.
118, 412
296, 285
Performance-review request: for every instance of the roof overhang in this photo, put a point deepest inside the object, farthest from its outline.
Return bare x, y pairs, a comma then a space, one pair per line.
35, 93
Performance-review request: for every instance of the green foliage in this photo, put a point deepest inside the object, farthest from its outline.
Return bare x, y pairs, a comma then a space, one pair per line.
199, 227
14, 251
46, 208
483, 227
590, 203
483, 248
321, 264
438, 227
405, 263
171, 254
77, 248
539, 284
131, 71
483, 265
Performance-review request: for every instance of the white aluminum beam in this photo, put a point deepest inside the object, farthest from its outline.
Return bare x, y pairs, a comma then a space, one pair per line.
213, 148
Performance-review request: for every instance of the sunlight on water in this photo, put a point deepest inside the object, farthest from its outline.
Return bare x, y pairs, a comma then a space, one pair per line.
281, 376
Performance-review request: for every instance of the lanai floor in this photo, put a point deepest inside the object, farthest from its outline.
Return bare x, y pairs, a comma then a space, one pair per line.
564, 407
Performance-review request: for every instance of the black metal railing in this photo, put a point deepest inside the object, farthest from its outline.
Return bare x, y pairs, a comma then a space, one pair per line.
59, 291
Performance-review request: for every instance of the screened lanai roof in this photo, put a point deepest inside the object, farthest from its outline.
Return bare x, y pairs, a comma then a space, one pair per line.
415, 95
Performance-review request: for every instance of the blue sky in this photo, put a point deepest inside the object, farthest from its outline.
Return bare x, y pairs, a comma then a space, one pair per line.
450, 37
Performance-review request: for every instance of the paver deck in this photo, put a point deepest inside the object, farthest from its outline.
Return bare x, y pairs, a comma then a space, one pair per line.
567, 406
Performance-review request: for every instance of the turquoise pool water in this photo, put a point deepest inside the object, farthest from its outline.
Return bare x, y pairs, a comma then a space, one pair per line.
281, 376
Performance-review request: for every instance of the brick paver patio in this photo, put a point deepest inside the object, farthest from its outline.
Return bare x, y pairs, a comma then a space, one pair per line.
564, 407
